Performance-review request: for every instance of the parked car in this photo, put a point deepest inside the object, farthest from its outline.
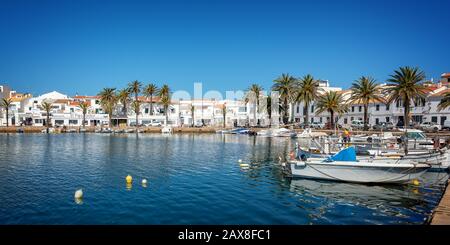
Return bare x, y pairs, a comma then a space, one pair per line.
383, 126
317, 125
153, 124
430, 126
357, 124
446, 125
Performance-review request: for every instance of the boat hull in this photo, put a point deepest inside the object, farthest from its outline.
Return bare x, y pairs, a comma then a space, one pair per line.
358, 172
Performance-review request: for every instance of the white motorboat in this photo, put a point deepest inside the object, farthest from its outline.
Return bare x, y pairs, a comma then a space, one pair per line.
343, 166
277, 132
438, 160
166, 130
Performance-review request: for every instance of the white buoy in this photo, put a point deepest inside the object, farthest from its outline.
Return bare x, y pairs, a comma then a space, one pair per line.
240, 160
79, 194
144, 181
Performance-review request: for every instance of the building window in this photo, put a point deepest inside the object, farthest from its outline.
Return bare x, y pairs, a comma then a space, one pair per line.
320, 119
417, 118
360, 108
345, 120
377, 121
146, 111
97, 102
73, 122
434, 119
353, 109
377, 107
387, 107
312, 108
387, 119
351, 118
312, 119
298, 109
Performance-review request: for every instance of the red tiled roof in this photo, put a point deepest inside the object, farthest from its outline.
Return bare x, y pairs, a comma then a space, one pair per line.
441, 93
446, 75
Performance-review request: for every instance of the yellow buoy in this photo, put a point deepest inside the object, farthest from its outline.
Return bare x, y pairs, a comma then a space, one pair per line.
129, 179
416, 182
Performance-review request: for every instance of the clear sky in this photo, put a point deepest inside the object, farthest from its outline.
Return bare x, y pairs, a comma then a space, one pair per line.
83, 46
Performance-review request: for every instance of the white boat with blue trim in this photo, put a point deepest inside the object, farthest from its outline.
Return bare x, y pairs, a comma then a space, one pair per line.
344, 167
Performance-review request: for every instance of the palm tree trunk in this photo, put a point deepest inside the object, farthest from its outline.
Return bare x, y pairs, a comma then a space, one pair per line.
332, 119
48, 122
306, 115
167, 114
406, 121
365, 116
84, 119
254, 115
151, 105
224, 118
258, 123
7, 116
285, 112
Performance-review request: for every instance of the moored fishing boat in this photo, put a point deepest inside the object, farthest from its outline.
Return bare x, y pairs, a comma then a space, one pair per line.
344, 167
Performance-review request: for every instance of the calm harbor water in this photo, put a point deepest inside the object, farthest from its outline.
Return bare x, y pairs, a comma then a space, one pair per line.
192, 179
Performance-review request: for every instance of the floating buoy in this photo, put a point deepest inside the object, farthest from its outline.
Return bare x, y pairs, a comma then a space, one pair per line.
240, 160
129, 179
144, 183
416, 182
79, 194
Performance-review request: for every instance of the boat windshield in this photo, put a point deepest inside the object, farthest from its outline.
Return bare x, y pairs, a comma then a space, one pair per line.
416, 135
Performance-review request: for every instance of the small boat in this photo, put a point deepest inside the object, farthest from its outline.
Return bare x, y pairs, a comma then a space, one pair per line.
129, 130
239, 131
344, 167
308, 133
166, 130
278, 132
119, 131
438, 159
106, 130
222, 131
83, 130
71, 130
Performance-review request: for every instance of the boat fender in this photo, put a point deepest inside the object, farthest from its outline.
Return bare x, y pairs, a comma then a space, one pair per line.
300, 164
292, 155
416, 182
79, 194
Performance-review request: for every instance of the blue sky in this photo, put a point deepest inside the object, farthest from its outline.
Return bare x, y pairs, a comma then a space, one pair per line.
84, 46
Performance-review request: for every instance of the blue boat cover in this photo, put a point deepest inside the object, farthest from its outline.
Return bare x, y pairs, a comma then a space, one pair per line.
348, 155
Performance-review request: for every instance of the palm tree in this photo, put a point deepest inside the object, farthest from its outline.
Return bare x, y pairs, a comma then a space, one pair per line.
254, 92
307, 91
108, 100
47, 106
445, 102
84, 107
406, 85
124, 97
149, 91
285, 85
269, 109
364, 90
164, 95
135, 87
136, 105
246, 102
224, 114
192, 114
331, 102
6, 103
